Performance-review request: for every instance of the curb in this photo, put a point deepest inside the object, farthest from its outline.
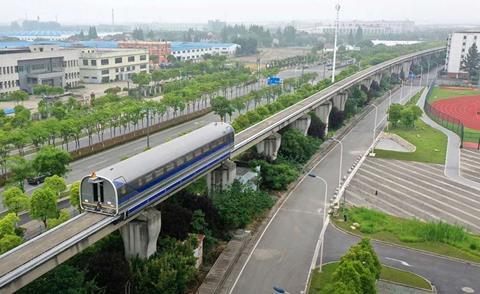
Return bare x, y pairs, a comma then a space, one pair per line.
432, 290
454, 259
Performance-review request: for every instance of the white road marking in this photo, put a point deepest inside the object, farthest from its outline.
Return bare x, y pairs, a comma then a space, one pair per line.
404, 263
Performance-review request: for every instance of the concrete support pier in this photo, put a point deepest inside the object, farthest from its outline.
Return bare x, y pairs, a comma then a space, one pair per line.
323, 112
141, 234
270, 146
222, 177
340, 99
302, 124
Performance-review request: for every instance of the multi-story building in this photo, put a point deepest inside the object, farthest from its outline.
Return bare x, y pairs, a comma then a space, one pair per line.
23, 68
457, 49
369, 28
160, 49
108, 65
184, 51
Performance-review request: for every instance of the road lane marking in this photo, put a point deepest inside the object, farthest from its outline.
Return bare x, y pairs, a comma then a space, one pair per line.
404, 263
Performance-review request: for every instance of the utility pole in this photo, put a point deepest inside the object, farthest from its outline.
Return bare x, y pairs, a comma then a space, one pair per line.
337, 8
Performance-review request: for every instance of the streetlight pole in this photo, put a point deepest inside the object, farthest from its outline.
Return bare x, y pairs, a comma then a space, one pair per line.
322, 236
341, 161
374, 130
337, 8
148, 128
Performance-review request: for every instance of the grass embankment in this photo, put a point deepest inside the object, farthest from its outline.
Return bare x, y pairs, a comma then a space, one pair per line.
441, 93
319, 280
439, 238
431, 144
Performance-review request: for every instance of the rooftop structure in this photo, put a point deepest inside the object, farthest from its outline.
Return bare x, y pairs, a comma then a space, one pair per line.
23, 68
108, 65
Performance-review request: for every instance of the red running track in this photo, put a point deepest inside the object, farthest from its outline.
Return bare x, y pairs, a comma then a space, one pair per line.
465, 108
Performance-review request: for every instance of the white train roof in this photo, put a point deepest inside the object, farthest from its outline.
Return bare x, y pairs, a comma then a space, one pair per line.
156, 157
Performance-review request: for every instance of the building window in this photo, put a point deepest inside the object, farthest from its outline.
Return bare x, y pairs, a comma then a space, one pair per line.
93, 62
143, 57
105, 72
131, 58
104, 61
85, 62
118, 60
143, 66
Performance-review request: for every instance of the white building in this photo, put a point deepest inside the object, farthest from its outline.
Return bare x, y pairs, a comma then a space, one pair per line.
457, 49
108, 65
185, 51
23, 68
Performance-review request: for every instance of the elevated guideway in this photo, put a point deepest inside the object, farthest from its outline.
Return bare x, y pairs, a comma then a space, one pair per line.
37, 256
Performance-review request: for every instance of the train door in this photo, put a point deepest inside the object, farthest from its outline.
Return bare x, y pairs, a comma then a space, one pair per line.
98, 192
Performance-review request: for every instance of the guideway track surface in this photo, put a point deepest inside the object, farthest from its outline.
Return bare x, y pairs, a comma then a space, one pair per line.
46, 247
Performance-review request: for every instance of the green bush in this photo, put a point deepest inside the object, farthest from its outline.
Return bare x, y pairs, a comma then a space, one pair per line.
240, 205
276, 176
296, 147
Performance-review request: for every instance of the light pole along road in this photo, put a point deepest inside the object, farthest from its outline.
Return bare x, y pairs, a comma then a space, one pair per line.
282, 256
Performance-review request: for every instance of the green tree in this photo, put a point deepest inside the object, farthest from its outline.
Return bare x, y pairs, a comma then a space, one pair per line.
395, 114
9, 242
63, 216
171, 270
222, 107
199, 225
471, 62
7, 224
63, 279
43, 205
19, 95
92, 33
15, 200
407, 118
276, 176
75, 195
239, 205
142, 80
51, 161
20, 169
56, 184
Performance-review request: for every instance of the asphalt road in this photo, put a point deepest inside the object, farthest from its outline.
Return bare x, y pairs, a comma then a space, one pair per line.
284, 253
448, 276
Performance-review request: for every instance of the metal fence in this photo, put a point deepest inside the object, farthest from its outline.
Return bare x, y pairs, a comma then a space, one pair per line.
445, 120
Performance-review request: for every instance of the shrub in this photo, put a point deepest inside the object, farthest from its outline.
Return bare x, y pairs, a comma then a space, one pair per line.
240, 204
276, 176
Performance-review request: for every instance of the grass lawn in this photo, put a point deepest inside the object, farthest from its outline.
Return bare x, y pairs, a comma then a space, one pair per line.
442, 93
441, 238
319, 280
431, 144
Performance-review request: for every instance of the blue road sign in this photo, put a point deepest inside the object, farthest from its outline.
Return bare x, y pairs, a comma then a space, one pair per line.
274, 81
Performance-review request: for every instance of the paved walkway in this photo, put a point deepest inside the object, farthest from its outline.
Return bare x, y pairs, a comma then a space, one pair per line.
414, 190
470, 165
452, 162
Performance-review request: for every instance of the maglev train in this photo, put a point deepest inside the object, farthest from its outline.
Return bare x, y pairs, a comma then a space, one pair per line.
142, 180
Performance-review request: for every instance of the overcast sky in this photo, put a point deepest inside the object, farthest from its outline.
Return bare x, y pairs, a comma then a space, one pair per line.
142, 11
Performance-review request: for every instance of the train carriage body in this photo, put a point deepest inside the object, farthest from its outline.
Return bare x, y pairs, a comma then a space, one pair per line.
144, 179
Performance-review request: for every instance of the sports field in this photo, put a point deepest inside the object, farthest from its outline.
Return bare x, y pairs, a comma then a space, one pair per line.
462, 104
